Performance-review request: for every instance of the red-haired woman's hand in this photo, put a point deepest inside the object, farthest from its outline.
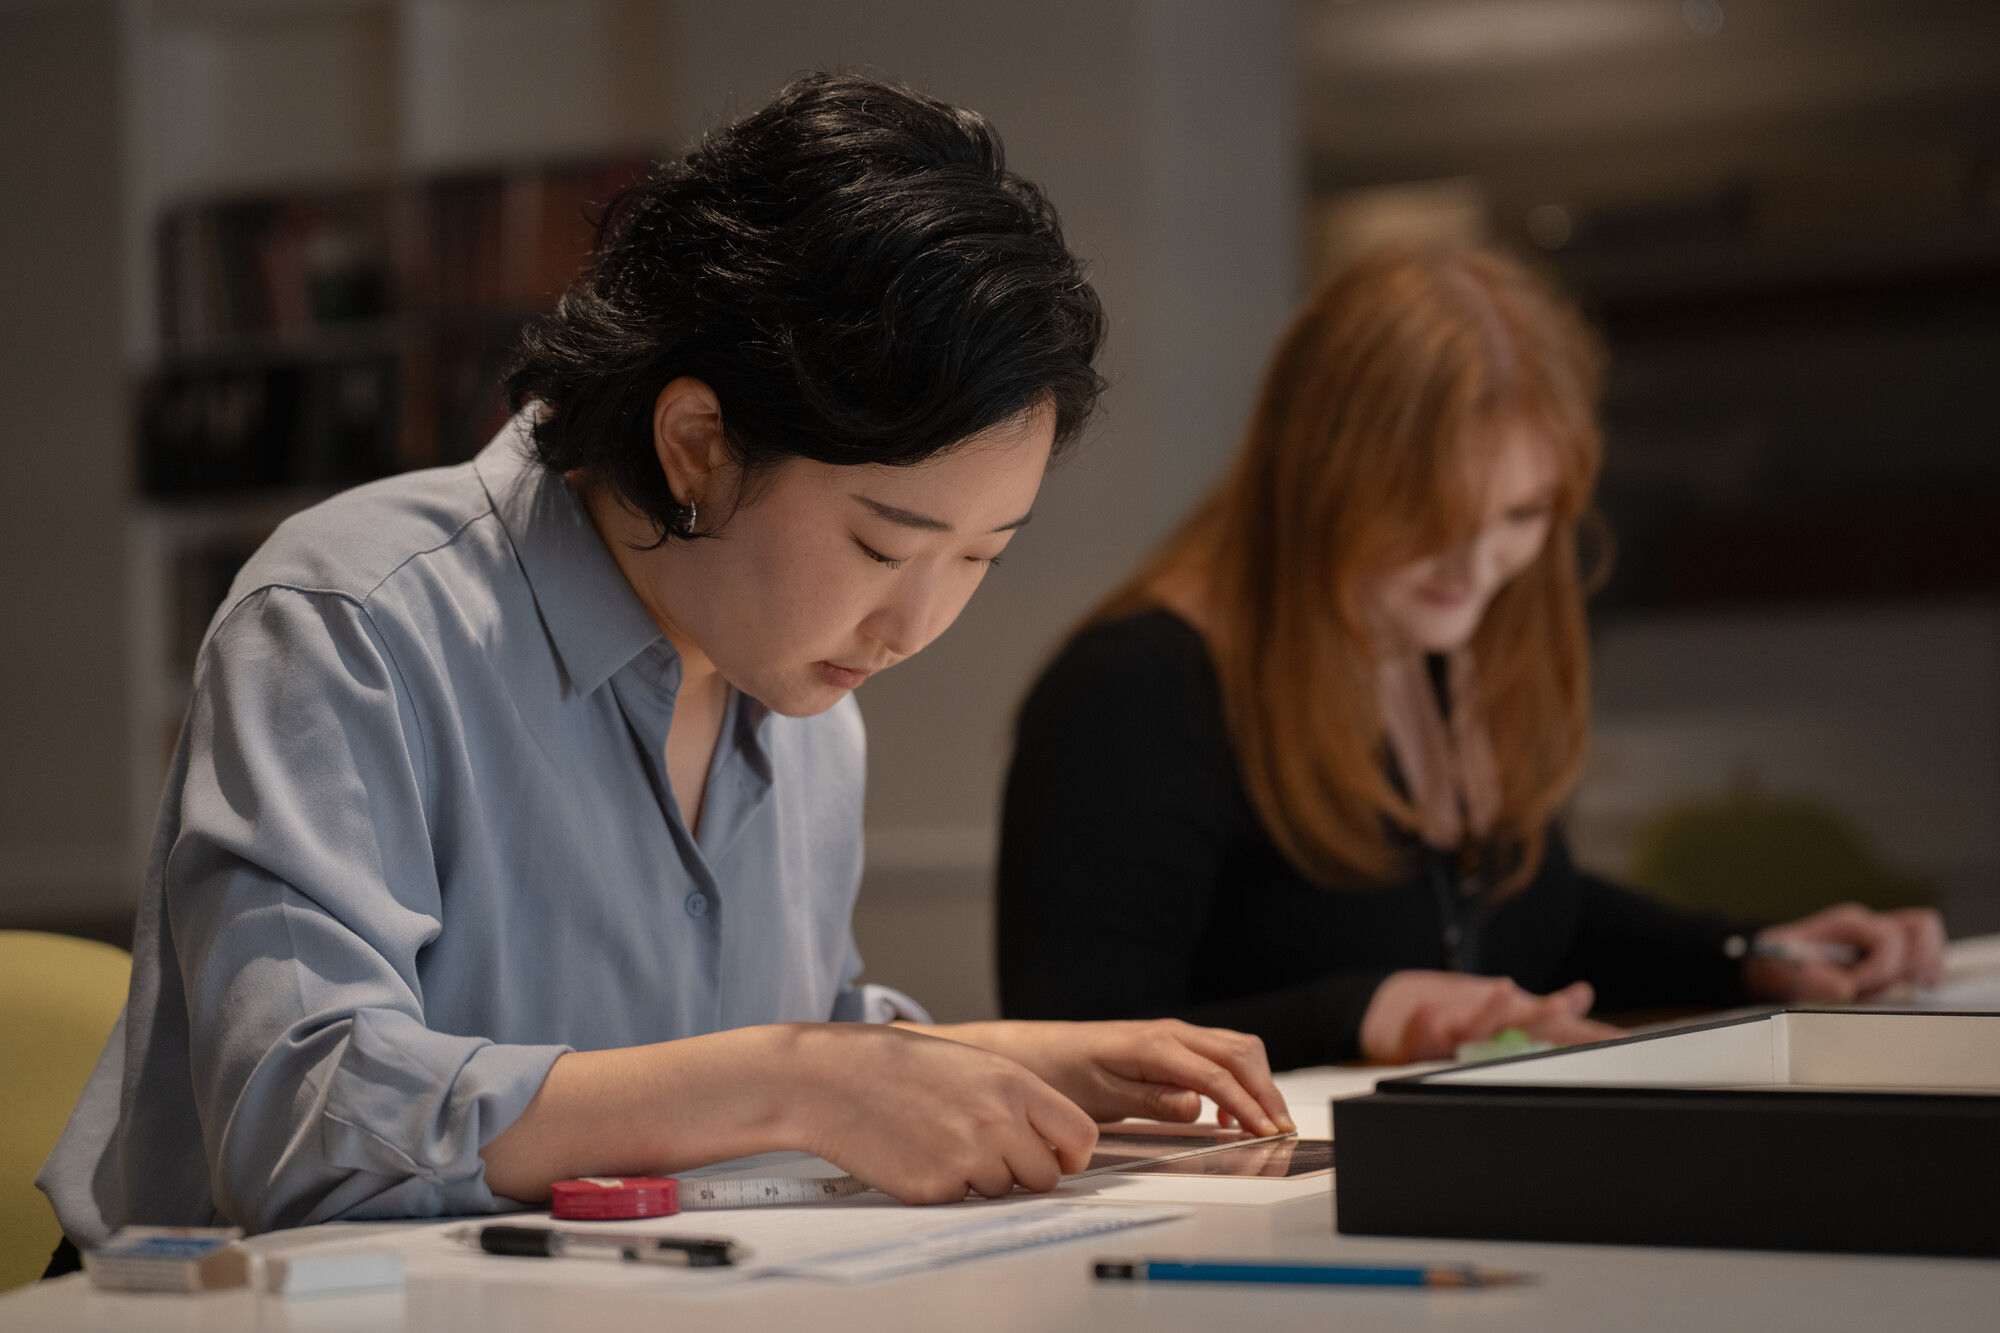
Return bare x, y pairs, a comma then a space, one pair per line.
1417, 1015
1904, 947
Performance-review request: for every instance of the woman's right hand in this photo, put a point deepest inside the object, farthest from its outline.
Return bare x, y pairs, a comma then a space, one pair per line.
918, 1117
1417, 1015
926, 1119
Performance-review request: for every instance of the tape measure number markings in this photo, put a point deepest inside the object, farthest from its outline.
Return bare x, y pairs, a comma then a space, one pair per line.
766, 1192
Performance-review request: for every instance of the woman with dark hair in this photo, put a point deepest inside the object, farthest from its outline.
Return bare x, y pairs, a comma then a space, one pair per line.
1299, 776
516, 823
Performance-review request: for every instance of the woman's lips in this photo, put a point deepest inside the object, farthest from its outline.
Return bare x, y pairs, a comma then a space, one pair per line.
840, 677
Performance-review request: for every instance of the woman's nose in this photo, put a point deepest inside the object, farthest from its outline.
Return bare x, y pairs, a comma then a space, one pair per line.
1484, 560
1461, 563
902, 626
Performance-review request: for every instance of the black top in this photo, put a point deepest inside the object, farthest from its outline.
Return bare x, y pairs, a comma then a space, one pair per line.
1136, 880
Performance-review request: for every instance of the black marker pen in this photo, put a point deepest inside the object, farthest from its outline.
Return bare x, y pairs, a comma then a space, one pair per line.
551, 1243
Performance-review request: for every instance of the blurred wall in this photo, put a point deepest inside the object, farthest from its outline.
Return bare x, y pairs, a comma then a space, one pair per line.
63, 478
1888, 716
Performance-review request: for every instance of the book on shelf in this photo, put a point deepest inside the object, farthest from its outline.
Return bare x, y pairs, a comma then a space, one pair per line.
511, 241
323, 338
263, 424
278, 268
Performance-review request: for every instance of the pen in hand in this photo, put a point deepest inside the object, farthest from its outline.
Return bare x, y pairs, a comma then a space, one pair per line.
1792, 951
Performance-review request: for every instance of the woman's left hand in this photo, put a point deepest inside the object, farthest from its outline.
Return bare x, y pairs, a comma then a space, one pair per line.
1156, 1069
1892, 948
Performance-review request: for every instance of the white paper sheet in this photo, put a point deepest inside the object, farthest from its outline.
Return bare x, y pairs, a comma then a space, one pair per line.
1971, 981
858, 1238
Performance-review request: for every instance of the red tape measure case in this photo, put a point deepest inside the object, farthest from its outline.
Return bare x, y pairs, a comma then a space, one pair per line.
607, 1198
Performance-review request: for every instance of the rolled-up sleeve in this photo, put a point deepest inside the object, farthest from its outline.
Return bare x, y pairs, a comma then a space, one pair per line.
877, 1004
300, 890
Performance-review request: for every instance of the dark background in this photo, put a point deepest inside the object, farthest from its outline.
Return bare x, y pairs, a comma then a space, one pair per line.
1784, 214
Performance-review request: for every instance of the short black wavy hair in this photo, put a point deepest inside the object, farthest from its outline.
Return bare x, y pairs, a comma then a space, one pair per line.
854, 272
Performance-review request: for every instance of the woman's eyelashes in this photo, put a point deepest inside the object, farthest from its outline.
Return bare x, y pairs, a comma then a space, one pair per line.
893, 562
1533, 512
896, 561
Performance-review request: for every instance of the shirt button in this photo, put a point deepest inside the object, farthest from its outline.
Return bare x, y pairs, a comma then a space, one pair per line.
697, 904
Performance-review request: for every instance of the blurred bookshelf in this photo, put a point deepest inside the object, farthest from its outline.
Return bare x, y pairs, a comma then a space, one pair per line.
314, 340
339, 215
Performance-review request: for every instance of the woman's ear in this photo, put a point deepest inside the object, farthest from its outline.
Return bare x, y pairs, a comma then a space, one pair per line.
688, 439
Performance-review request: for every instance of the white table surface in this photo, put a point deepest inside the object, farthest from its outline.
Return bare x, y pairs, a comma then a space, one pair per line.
1050, 1288
1582, 1287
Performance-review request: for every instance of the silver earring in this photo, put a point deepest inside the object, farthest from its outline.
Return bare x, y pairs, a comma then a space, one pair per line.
685, 517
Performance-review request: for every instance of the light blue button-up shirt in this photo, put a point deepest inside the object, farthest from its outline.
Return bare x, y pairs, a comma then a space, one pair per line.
417, 842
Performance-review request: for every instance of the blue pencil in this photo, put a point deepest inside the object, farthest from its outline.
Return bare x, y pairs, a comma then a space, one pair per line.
1306, 1271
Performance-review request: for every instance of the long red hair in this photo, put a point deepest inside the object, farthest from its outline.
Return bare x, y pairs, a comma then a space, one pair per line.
1370, 444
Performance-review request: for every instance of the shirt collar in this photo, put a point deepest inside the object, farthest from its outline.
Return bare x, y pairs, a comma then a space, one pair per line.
593, 617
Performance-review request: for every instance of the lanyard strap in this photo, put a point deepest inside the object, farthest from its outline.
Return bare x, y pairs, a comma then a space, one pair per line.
1460, 891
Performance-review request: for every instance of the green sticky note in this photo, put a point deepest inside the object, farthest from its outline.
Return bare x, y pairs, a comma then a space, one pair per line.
1510, 1041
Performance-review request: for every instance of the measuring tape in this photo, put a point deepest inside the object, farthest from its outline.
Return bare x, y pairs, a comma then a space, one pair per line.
766, 1192
606, 1198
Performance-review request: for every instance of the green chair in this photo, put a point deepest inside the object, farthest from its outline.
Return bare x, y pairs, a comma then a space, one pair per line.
1765, 858
59, 997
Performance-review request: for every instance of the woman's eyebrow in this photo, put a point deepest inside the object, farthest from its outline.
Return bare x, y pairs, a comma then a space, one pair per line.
908, 518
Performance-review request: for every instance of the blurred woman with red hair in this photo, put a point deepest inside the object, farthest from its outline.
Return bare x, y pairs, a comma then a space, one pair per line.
1299, 776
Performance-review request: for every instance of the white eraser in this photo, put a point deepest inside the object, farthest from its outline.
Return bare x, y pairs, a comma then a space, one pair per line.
332, 1274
